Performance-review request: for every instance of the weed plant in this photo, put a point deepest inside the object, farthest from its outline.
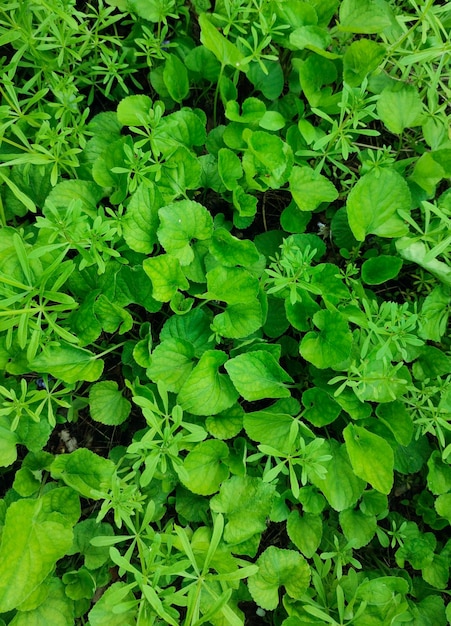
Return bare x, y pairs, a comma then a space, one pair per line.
225, 279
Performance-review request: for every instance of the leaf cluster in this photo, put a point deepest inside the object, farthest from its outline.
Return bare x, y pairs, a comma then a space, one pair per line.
225, 280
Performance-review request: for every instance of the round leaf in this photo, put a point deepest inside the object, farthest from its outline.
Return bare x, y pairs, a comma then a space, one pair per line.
305, 531
399, 107
331, 346
205, 467
321, 408
257, 375
373, 204
358, 527
279, 568
309, 189
381, 268
134, 110
107, 404
181, 222
246, 503
362, 57
206, 391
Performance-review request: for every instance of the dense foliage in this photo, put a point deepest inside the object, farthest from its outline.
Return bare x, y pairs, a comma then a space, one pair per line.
225, 280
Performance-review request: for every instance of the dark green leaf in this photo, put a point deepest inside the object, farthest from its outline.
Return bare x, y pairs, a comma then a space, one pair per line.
379, 269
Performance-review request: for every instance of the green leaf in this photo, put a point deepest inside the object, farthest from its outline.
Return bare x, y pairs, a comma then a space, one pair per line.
194, 328
278, 568
257, 375
134, 110
360, 59
244, 203
398, 419
229, 168
439, 475
112, 316
270, 427
431, 168
181, 223
252, 111
205, 467
68, 362
225, 51
315, 74
431, 363
32, 543
8, 441
331, 347
374, 202
365, 16
83, 321
141, 220
166, 275
171, 363
94, 556
231, 251
379, 269
175, 76
357, 527
226, 424
87, 193
443, 506
305, 531
380, 591
312, 38
232, 285
57, 609
103, 612
320, 408
206, 391
107, 404
418, 549
238, 320
63, 501
180, 128
341, 486
246, 503
435, 313
268, 161
271, 82
399, 107
371, 457
309, 189
183, 171
203, 62
83, 470
153, 10
79, 584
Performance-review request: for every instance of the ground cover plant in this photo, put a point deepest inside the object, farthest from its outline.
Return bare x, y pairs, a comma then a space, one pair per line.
225, 283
